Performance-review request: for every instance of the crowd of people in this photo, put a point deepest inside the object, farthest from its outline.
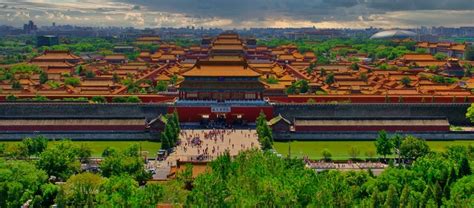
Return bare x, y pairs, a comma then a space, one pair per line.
208, 144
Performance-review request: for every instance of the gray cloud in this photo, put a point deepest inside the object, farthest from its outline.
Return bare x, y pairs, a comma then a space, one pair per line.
241, 13
400, 5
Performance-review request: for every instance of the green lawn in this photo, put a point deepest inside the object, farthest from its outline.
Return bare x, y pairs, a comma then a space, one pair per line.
98, 147
339, 149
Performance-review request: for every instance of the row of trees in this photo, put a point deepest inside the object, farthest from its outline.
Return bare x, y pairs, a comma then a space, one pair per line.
407, 148
170, 135
264, 132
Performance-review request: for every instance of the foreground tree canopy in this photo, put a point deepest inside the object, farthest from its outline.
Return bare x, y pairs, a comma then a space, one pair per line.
261, 179
251, 179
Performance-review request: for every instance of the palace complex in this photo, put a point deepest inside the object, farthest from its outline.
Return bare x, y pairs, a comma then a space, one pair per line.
230, 80
263, 71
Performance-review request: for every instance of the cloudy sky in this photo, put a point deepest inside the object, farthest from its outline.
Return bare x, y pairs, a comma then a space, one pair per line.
241, 13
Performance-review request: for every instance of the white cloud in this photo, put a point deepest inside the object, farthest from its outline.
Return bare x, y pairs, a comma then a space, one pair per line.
134, 17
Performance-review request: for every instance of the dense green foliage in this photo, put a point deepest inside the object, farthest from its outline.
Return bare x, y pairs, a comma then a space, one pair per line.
170, 135
60, 161
259, 179
264, 132
470, 113
383, 144
300, 86
469, 53
73, 81
127, 162
77, 45
323, 48
251, 179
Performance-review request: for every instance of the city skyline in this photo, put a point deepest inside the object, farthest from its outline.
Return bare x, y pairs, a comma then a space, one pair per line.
240, 14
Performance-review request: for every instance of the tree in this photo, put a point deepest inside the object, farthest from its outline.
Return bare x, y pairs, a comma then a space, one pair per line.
119, 99
330, 79
3, 148
311, 68
19, 182
421, 51
59, 160
397, 142
264, 132
265, 143
16, 85
11, 97
470, 113
304, 86
161, 86
174, 79
322, 72
35, 145
126, 162
468, 72
383, 144
90, 74
462, 192
405, 81
79, 70
83, 152
272, 80
147, 196
464, 169
118, 191
43, 77
469, 53
170, 133
99, 99
376, 199
17, 151
412, 148
440, 56
165, 142
355, 66
292, 89
404, 197
363, 76
326, 155
81, 190
72, 81
175, 119
392, 200
115, 77
109, 151
133, 99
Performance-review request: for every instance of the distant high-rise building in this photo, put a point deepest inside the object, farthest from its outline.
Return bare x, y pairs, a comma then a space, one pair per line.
47, 40
30, 27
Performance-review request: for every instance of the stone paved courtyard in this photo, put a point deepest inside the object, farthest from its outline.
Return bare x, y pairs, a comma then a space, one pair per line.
206, 145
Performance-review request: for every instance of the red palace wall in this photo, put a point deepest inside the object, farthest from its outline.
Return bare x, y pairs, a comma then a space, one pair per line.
371, 128
297, 98
194, 113
372, 99
74, 128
